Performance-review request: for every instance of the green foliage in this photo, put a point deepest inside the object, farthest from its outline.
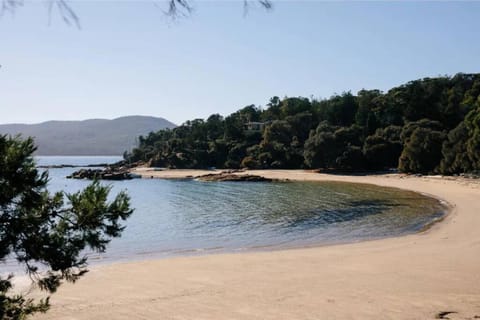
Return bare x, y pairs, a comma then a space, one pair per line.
383, 148
410, 127
370, 130
422, 151
293, 106
48, 233
235, 155
321, 148
334, 147
351, 158
472, 122
368, 107
16, 306
454, 150
250, 163
338, 110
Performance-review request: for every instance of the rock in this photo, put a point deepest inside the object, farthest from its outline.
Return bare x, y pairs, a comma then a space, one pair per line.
56, 166
225, 176
116, 171
103, 174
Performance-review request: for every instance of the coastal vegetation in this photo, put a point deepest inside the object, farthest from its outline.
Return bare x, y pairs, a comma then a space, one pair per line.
48, 233
431, 125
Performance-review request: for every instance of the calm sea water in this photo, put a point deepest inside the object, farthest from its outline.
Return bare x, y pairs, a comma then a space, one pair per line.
180, 217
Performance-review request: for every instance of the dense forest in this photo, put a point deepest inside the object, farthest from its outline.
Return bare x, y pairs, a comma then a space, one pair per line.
430, 125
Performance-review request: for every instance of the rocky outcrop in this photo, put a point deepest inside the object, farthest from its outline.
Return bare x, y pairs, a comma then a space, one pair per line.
100, 174
226, 176
117, 171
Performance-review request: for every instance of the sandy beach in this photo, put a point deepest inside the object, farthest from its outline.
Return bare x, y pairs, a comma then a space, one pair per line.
411, 277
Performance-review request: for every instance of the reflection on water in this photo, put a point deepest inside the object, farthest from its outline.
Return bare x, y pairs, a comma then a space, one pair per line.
182, 216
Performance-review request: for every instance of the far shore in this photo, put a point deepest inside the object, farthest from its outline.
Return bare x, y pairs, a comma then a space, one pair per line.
417, 276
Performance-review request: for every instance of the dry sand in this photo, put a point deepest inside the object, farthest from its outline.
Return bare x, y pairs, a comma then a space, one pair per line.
410, 277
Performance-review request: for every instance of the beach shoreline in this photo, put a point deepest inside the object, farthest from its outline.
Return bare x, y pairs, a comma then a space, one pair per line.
410, 277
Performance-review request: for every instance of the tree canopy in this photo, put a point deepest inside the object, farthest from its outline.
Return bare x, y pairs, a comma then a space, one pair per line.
48, 233
424, 126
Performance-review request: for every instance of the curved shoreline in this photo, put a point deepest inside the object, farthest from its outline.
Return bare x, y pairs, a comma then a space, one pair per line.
410, 277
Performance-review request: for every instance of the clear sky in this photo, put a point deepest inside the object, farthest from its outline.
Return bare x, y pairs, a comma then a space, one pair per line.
129, 59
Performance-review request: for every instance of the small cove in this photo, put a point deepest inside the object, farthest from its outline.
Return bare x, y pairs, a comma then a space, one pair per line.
187, 217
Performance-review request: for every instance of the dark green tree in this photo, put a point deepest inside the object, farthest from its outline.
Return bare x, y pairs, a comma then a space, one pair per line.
339, 110
273, 110
301, 124
422, 151
322, 148
293, 106
250, 163
235, 155
48, 233
319, 150
454, 150
410, 127
369, 104
383, 148
472, 122
277, 139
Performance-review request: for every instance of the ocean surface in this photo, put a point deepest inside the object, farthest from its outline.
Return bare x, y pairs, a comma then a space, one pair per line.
186, 217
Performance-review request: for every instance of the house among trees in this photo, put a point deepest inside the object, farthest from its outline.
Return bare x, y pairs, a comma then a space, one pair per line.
255, 126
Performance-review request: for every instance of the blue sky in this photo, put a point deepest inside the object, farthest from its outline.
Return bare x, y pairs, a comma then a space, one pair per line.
128, 58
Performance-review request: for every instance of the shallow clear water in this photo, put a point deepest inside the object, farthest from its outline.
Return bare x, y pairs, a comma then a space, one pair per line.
174, 217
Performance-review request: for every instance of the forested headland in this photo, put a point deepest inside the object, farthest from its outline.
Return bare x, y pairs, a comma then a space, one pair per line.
431, 125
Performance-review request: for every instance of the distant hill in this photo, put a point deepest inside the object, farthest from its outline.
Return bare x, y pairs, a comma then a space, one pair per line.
88, 137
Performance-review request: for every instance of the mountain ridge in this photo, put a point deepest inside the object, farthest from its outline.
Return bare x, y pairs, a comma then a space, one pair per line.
87, 137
